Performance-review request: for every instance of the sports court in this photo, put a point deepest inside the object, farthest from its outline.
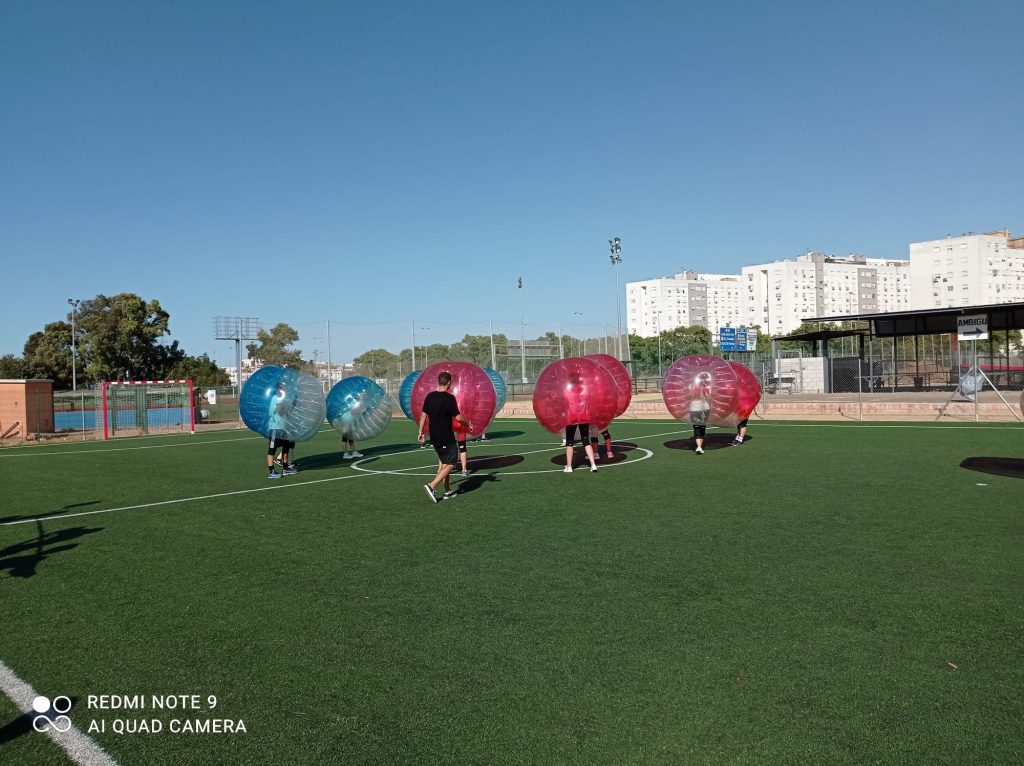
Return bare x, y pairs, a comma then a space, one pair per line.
826, 593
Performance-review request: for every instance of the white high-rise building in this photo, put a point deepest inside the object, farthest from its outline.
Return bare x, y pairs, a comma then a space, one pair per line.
687, 299
969, 270
779, 296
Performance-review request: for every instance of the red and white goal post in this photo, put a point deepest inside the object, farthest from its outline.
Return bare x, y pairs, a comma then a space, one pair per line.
138, 407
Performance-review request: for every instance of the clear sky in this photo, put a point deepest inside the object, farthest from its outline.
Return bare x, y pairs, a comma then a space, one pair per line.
375, 162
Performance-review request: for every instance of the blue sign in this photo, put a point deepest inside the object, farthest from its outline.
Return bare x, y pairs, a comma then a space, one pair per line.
727, 339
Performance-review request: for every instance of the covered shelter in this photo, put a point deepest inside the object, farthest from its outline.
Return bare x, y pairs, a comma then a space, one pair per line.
942, 369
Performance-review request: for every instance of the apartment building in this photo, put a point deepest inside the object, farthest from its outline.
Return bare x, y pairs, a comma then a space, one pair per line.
780, 295
969, 270
687, 299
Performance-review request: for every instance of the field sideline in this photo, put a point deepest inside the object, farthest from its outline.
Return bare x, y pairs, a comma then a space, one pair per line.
826, 593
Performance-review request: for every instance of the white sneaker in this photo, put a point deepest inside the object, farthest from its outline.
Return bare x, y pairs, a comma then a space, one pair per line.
563, 442
610, 455
347, 456
357, 454
699, 450
567, 469
593, 468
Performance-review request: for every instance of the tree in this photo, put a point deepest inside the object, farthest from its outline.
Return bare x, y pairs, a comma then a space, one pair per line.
201, 369
272, 347
11, 367
48, 354
119, 338
378, 363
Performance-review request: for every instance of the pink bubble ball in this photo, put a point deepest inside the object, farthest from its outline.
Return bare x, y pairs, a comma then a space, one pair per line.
471, 387
623, 383
574, 391
684, 380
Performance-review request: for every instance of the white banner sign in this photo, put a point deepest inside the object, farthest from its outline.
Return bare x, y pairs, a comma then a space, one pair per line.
974, 327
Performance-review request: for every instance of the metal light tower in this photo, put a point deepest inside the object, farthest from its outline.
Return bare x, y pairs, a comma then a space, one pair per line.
74, 303
522, 327
615, 245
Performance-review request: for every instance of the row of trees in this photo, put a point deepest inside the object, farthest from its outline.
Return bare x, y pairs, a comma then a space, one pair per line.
115, 338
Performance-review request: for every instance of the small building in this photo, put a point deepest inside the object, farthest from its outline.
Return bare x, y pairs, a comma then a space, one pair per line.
26, 407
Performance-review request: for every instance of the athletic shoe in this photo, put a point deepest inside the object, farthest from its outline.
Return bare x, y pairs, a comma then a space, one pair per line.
347, 456
450, 495
593, 468
483, 437
563, 442
610, 455
273, 475
430, 493
736, 442
699, 450
567, 469
289, 471
357, 454
464, 474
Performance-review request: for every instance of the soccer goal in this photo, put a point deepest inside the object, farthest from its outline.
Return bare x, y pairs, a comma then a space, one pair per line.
138, 407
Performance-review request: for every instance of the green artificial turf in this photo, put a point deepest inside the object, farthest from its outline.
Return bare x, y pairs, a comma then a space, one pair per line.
826, 593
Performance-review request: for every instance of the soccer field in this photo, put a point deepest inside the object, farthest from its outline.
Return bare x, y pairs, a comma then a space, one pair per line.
826, 593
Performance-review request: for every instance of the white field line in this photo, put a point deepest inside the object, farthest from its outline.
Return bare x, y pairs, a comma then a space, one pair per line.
34, 452
364, 473
286, 485
80, 748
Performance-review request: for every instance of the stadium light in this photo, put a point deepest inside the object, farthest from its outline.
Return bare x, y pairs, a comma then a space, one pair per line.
74, 303
615, 245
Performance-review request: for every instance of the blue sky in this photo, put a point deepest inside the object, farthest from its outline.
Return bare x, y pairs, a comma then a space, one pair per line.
371, 163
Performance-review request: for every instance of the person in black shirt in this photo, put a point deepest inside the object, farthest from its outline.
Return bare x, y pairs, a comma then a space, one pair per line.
440, 406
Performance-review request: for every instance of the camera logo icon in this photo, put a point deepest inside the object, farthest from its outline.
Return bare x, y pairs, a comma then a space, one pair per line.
51, 715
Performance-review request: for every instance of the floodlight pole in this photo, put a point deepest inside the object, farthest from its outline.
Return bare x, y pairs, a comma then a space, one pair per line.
74, 303
330, 366
414, 344
615, 245
494, 361
522, 329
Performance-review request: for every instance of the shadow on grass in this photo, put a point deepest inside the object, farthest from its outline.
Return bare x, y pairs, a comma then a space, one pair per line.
998, 466
475, 481
503, 435
711, 441
619, 452
22, 559
16, 728
491, 462
51, 514
325, 460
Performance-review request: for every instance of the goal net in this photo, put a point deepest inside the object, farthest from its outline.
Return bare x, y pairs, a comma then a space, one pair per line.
138, 407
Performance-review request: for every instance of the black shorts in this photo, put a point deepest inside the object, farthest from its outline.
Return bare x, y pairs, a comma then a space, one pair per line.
277, 443
570, 433
448, 454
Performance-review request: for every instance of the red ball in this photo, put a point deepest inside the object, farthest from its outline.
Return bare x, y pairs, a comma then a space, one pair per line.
750, 390
700, 375
623, 383
471, 387
574, 391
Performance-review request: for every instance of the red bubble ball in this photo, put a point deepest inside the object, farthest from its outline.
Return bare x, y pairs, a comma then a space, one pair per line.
623, 383
750, 390
574, 391
702, 376
471, 387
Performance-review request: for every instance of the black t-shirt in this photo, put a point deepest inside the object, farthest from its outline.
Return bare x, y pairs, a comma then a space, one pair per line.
440, 407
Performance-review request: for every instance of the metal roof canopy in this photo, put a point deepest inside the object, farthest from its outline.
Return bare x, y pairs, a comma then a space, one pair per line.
822, 335
898, 324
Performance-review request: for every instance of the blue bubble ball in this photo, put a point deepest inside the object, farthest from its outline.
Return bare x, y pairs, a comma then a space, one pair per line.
284, 402
500, 388
405, 392
358, 408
